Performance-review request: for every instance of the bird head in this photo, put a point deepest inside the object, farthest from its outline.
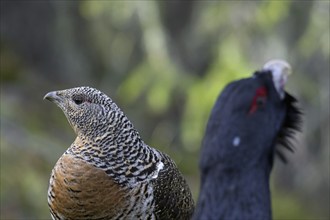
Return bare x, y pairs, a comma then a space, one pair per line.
87, 109
280, 70
249, 118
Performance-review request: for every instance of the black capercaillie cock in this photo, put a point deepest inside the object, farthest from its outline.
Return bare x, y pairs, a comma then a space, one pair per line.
249, 123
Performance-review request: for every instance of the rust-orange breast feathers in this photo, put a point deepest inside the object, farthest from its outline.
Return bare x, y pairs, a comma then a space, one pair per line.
109, 172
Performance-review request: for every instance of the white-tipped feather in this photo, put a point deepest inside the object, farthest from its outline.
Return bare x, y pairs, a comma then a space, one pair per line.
280, 70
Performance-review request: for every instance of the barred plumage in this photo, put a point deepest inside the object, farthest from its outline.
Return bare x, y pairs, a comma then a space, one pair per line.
109, 172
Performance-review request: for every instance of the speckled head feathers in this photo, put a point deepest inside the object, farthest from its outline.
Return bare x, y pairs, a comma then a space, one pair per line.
85, 108
79, 94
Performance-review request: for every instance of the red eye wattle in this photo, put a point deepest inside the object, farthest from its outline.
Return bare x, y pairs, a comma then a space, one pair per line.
259, 99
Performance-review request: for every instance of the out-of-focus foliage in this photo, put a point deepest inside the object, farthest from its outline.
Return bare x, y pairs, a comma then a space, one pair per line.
164, 63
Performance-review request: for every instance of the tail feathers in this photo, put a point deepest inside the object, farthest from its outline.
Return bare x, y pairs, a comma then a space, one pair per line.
291, 125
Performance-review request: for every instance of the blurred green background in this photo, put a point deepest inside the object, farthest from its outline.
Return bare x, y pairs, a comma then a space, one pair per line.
164, 63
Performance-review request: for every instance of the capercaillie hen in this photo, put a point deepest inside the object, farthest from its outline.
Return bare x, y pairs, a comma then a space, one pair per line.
108, 172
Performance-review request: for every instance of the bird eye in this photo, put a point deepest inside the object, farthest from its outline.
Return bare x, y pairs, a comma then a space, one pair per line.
260, 101
78, 99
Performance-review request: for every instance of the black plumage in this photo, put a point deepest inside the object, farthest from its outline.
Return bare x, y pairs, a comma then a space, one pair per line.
249, 122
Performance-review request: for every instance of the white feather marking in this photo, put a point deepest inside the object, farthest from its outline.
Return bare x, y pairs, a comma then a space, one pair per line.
236, 141
160, 166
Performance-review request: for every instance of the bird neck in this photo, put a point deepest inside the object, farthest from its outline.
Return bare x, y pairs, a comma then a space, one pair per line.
243, 194
112, 136
120, 152
113, 130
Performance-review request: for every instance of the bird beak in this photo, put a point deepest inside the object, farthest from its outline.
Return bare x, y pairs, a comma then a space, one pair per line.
280, 70
53, 97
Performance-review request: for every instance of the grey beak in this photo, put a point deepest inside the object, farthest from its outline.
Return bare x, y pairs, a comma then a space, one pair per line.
53, 97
